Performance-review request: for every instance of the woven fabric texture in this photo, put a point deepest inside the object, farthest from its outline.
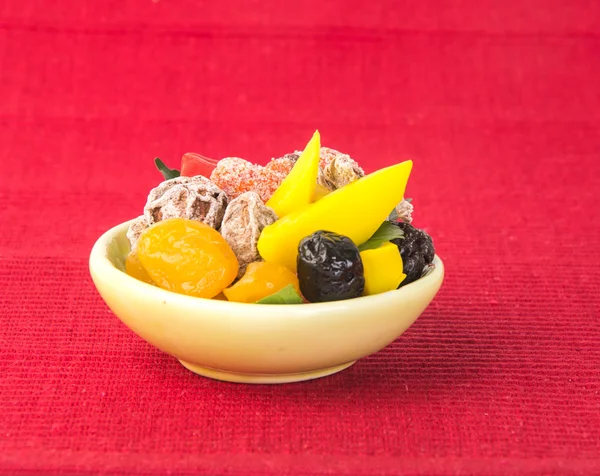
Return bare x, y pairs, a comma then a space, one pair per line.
497, 103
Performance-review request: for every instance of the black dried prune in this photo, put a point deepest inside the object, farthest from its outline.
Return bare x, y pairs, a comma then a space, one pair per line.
329, 268
416, 249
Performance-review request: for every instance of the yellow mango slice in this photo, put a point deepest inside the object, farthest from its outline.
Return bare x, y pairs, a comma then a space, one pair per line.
383, 269
355, 210
298, 188
320, 192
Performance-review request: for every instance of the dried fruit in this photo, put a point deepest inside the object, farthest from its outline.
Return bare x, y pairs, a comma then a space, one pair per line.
383, 268
134, 268
283, 165
403, 211
187, 257
135, 229
236, 176
245, 218
356, 210
261, 280
195, 164
327, 154
298, 188
416, 249
193, 198
329, 267
337, 169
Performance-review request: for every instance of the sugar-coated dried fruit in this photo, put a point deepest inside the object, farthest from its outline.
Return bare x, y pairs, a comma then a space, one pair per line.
383, 269
236, 176
329, 268
245, 218
261, 279
356, 210
135, 229
337, 169
192, 198
134, 268
417, 251
404, 211
283, 165
298, 188
187, 257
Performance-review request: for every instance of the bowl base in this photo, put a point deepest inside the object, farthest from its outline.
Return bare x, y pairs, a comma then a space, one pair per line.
262, 378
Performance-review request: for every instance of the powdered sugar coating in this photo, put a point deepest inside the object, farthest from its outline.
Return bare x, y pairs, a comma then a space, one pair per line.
337, 169
245, 218
193, 198
283, 165
237, 176
404, 210
327, 154
135, 230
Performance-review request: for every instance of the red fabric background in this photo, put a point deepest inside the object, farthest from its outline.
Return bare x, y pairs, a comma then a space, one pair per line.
498, 103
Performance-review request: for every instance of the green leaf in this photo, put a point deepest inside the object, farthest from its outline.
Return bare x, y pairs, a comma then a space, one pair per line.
287, 295
386, 232
167, 173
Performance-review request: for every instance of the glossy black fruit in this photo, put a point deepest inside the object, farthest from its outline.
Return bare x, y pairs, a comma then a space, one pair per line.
416, 249
329, 268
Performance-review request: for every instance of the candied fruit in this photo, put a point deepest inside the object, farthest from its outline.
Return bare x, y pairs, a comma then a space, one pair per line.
194, 198
283, 165
383, 269
195, 164
262, 279
187, 257
134, 268
417, 251
237, 176
339, 171
246, 216
356, 210
298, 188
329, 268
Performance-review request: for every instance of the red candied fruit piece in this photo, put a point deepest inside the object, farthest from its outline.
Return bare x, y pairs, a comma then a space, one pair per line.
193, 164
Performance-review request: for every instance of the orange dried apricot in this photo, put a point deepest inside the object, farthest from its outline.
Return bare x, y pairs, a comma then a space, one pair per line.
261, 280
187, 257
134, 268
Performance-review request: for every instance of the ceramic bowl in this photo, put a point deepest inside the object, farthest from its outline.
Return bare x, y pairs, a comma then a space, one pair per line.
255, 343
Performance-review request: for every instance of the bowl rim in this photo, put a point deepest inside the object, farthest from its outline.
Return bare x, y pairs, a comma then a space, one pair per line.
102, 268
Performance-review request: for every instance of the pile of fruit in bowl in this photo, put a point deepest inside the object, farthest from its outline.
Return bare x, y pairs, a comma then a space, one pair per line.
308, 227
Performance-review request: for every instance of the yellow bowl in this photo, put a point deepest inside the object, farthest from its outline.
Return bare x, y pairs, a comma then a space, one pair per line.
255, 343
